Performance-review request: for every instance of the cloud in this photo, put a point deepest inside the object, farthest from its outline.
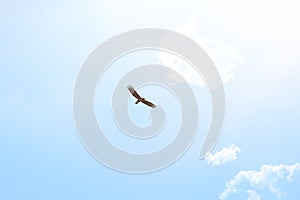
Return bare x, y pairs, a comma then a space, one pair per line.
253, 195
267, 177
226, 57
224, 156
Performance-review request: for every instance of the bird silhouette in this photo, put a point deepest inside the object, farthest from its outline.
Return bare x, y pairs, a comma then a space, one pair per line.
139, 98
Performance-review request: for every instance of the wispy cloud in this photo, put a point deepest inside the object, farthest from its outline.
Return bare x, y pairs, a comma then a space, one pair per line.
226, 57
267, 177
224, 156
253, 195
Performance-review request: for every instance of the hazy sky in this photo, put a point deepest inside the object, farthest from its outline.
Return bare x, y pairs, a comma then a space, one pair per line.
254, 44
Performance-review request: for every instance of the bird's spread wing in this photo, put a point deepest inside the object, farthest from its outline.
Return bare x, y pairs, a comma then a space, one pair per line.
148, 103
133, 92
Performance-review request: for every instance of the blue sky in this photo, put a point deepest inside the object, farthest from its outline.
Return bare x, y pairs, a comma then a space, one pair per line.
43, 45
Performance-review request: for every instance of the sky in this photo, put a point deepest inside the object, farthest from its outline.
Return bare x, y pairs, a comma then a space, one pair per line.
254, 44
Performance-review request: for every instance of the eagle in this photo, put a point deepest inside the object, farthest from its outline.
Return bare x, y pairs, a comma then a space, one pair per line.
139, 98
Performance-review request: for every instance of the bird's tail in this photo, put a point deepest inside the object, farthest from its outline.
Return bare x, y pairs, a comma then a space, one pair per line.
138, 101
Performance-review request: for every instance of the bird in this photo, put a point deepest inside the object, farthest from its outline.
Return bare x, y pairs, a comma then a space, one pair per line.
139, 98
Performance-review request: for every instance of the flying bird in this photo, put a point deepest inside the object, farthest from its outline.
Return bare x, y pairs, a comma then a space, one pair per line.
139, 98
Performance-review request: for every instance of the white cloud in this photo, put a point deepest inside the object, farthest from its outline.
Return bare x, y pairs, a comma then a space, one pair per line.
253, 195
226, 57
224, 156
266, 178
